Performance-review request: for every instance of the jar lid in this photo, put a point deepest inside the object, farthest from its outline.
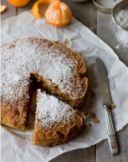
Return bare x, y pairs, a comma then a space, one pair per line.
120, 14
104, 5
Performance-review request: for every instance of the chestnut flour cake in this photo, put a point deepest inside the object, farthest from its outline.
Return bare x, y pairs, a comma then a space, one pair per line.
32, 63
56, 122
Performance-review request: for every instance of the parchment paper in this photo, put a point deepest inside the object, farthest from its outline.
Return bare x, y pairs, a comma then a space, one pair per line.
18, 148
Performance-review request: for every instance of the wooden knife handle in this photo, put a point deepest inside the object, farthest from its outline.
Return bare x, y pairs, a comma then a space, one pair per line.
112, 138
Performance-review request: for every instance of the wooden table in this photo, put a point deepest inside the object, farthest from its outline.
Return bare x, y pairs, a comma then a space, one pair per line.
102, 25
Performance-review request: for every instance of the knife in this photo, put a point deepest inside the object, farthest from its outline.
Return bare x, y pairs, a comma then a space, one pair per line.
107, 102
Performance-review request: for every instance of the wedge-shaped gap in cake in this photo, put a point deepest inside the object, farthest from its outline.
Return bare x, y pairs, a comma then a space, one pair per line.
74, 93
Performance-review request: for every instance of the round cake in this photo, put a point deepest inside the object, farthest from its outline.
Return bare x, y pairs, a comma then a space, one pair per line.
38, 63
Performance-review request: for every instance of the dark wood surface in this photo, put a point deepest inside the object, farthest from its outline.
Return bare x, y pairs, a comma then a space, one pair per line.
99, 24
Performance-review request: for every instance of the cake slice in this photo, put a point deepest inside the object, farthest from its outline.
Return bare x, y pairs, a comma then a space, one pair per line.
56, 122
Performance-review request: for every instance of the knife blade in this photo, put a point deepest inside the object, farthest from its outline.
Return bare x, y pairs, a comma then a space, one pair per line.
107, 102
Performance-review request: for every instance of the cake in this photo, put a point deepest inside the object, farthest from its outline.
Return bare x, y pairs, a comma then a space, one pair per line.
38, 63
56, 122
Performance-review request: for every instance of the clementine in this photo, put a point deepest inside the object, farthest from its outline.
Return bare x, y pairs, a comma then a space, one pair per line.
40, 7
58, 14
18, 3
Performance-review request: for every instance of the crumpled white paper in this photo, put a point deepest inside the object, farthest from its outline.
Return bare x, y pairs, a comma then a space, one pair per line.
18, 148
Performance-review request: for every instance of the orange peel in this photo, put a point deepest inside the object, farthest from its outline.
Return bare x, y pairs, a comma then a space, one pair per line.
58, 14
3, 8
39, 8
18, 3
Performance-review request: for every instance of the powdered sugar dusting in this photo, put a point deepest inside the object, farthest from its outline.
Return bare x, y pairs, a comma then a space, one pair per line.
51, 110
22, 57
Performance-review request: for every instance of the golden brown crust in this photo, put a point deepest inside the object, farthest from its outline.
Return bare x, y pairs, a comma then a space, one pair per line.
56, 122
15, 114
59, 133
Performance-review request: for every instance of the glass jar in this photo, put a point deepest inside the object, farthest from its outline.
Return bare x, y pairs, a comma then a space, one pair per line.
78, 1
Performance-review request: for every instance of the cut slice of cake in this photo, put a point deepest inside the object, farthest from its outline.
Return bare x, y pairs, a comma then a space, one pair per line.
56, 122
